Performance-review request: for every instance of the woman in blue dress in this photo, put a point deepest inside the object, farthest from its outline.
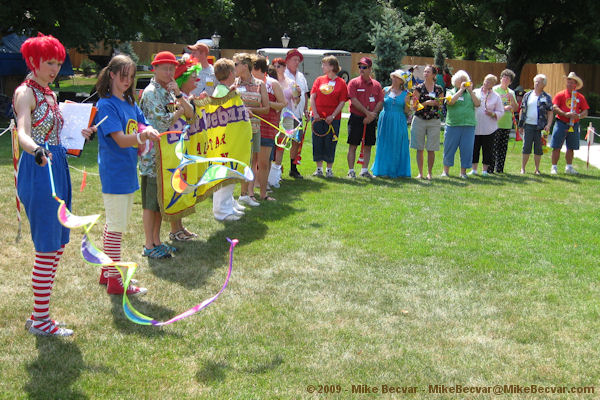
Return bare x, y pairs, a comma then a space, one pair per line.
392, 157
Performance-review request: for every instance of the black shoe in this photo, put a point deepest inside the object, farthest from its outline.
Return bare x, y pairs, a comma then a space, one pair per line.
296, 174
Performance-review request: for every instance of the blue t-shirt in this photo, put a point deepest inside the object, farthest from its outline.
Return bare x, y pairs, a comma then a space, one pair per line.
117, 166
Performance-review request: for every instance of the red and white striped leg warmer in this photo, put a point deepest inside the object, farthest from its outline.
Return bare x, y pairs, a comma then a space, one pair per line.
41, 282
112, 248
57, 257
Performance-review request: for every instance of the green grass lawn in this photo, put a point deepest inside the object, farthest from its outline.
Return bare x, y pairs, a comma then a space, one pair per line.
478, 282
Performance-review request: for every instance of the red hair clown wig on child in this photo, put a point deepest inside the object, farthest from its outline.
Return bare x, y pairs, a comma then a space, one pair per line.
42, 48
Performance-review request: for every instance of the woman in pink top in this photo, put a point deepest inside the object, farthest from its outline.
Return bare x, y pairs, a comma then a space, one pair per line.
267, 131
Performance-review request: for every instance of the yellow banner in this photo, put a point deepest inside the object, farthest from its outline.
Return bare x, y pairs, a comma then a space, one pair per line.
220, 128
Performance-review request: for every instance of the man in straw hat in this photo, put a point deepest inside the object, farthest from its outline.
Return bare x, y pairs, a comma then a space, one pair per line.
570, 106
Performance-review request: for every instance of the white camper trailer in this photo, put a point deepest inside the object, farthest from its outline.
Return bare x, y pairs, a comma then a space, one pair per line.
311, 66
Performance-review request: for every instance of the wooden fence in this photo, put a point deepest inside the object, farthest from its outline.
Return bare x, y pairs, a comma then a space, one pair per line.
477, 70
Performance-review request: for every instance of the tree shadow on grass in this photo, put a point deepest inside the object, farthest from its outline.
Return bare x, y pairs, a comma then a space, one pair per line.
199, 259
57, 367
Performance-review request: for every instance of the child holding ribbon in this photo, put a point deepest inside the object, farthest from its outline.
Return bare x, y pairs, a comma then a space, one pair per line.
39, 122
118, 138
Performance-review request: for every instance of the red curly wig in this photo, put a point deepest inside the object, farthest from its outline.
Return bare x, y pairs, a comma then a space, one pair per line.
42, 48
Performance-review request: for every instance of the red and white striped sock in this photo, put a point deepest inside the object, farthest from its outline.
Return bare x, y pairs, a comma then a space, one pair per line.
112, 248
57, 257
41, 282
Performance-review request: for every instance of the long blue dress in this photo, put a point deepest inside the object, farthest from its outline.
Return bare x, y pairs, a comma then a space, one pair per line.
392, 157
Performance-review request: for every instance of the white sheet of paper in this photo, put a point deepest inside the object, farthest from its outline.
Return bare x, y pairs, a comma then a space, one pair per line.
77, 117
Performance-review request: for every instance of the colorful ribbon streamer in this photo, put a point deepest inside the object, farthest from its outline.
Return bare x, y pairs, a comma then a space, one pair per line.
92, 255
217, 169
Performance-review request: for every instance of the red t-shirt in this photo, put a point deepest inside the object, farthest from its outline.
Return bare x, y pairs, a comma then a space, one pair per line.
367, 93
563, 100
329, 93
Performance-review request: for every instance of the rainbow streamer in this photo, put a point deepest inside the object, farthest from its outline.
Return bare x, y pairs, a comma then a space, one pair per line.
94, 256
217, 169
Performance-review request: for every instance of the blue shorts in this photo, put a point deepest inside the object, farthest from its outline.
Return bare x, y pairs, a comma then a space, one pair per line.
561, 132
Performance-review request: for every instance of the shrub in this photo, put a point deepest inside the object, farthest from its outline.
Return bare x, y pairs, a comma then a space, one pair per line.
88, 67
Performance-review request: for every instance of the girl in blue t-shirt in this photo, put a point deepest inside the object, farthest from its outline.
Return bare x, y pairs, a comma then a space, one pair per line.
118, 139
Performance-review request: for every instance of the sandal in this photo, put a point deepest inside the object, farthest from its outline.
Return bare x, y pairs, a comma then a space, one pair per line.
156, 253
268, 198
180, 236
169, 249
192, 234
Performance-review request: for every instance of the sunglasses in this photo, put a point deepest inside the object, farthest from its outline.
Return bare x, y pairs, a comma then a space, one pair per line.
363, 67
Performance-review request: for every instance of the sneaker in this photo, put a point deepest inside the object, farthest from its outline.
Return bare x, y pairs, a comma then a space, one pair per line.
115, 286
463, 176
366, 174
318, 172
554, 170
351, 174
484, 173
230, 217
473, 172
570, 170
238, 213
329, 174
248, 200
237, 206
47, 328
444, 175
103, 276
30, 320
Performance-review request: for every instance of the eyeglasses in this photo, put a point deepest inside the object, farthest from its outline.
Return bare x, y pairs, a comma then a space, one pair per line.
279, 66
363, 67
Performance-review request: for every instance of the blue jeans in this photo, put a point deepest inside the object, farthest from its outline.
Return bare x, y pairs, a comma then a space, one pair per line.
462, 137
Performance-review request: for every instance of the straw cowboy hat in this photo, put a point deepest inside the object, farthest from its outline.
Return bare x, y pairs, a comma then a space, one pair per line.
577, 79
400, 74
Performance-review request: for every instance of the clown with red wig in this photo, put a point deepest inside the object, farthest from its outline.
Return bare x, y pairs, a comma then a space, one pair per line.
39, 122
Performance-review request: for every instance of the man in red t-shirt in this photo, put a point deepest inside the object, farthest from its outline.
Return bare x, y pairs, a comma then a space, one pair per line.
366, 101
569, 106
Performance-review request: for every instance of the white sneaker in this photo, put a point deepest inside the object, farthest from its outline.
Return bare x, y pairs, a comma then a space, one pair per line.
329, 174
484, 173
238, 213
570, 170
318, 172
463, 176
473, 172
237, 206
230, 217
554, 171
444, 175
248, 201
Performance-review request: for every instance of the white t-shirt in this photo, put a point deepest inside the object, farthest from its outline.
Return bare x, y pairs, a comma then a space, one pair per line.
532, 110
206, 81
300, 80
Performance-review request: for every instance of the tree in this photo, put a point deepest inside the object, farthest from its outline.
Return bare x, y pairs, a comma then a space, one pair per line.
540, 31
389, 38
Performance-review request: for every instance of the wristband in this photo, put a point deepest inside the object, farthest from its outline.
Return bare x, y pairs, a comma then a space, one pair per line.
139, 139
178, 96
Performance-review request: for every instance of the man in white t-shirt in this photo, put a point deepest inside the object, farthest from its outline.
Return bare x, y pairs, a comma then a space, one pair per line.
292, 61
206, 78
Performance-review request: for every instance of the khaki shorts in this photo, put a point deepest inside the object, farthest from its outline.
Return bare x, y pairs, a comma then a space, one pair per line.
118, 209
149, 194
425, 127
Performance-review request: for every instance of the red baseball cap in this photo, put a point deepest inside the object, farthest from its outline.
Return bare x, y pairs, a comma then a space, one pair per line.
366, 61
292, 53
165, 57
